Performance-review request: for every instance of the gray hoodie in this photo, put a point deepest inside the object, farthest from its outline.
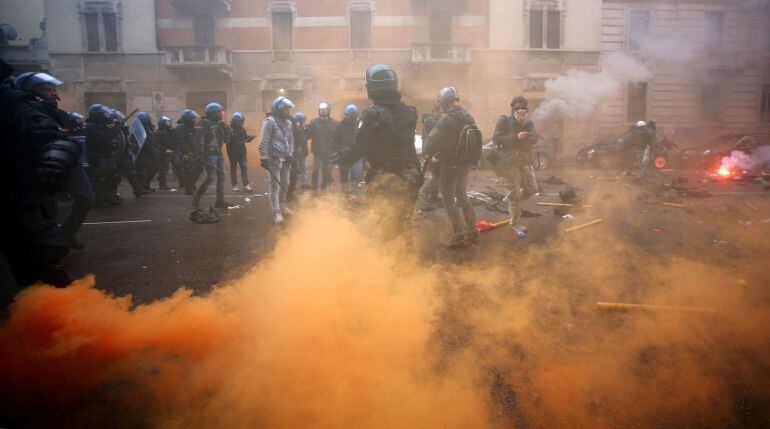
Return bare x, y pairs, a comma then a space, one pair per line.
276, 139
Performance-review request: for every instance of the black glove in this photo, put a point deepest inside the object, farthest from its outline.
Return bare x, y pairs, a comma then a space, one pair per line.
264, 163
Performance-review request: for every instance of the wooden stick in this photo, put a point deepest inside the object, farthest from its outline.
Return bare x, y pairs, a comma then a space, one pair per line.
751, 206
563, 205
652, 307
575, 228
681, 206
501, 223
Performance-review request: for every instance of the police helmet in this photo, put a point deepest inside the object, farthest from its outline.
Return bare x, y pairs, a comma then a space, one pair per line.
299, 116
641, 124
519, 100
324, 107
281, 102
164, 122
99, 113
237, 116
117, 116
448, 93
380, 77
27, 81
145, 118
76, 119
351, 111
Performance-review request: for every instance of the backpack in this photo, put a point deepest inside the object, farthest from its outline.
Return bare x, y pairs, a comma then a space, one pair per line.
469, 145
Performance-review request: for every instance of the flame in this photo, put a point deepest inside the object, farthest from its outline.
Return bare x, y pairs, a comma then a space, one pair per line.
724, 172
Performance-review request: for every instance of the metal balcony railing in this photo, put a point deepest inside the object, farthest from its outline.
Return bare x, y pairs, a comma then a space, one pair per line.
455, 53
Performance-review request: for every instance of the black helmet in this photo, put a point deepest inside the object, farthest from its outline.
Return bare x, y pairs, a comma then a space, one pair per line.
446, 94
164, 122
76, 119
380, 77
519, 100
27, 81
99, 113
188, 117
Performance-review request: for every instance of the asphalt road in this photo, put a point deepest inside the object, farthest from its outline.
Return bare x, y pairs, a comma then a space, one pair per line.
149, 248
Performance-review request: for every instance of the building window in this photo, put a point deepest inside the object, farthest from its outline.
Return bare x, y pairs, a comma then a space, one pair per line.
204, 26
638, 29
101, 26
544, 29
92, 32
283, 30
637, 101
710, 102
714, 23
360, 29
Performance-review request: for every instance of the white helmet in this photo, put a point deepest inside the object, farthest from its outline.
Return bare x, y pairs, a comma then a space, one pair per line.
641, 124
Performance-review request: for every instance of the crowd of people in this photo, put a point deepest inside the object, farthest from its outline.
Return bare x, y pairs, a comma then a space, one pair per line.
56, 154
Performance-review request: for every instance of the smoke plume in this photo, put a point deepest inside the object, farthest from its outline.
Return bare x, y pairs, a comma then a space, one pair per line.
336, 330
739, 160
579, 93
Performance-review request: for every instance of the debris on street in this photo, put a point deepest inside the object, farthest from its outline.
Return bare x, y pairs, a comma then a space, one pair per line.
587, 224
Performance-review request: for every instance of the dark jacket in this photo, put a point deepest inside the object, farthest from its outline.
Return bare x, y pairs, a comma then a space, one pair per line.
300, 139
321, 132
236, 147
166, 140
519, 152
100, 140
210, 136
345, 135
445, 136
183, 135
386, 140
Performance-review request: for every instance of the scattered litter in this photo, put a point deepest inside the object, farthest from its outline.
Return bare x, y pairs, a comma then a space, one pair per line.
745, 223
593, 222
553, 180
564, 205
561, 211
720, 242
519, 233
479, 199
173, 190
570, 195
626, 307
493, 180
681, 206
260, 195
484, 226
751, 206
657, 230
234, 207
568, 216
492, 193
247, 199
499, 207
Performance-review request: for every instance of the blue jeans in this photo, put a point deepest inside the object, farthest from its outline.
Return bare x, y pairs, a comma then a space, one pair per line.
215, 166
235, 161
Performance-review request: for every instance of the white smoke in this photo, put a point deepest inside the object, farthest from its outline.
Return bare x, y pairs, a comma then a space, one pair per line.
738, 160
577, 94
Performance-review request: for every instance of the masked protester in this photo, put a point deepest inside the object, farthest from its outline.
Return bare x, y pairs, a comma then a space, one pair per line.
210, 136
386, 139
38, 160
168, 152
190, 167
298, 168
236, 152
447, 141
429, 190
276, 148
641, 139
515, 138
321, 132
344, 137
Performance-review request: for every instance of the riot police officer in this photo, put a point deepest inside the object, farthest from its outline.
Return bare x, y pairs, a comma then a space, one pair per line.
190, 167
344, 137
321, 132
148, 161
515, 138
212, 133
37, 162
168, 153
386, 139
101, 153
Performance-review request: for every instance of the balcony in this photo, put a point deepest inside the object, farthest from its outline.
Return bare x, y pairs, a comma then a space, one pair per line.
200, 60
441, 53
184, 7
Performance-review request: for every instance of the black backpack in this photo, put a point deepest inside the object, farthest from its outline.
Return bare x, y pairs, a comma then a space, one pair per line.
469, 145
